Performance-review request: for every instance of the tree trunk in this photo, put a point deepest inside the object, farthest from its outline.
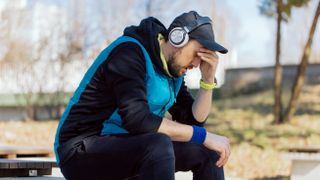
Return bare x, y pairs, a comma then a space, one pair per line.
299, 80
277, 108
30, 116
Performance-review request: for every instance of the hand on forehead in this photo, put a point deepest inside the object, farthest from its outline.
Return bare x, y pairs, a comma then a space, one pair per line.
205, 50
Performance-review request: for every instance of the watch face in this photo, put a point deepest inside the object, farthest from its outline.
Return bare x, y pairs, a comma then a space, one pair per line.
177, 36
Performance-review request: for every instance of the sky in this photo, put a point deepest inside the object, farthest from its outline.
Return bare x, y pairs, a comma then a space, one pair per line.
256, 45
255, 33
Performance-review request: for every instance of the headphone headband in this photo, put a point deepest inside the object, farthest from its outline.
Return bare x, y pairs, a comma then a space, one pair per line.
179, 36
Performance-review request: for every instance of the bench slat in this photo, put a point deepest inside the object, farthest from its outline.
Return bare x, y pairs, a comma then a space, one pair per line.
22, 167
307, 149
12, 152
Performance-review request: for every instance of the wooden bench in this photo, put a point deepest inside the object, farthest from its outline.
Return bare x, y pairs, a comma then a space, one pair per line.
305, 162
25, 168
11, 152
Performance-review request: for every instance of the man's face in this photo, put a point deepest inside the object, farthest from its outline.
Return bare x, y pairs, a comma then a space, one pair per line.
185, 58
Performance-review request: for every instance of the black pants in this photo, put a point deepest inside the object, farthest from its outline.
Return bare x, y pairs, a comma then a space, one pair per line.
147, 157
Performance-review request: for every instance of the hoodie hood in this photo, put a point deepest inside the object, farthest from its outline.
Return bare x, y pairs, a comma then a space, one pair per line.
147, 34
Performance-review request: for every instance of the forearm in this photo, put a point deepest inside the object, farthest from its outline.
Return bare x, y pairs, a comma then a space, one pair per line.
176, 131
202, 105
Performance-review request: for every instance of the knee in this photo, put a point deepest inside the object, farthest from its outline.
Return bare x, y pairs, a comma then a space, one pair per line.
206, 165
203, 154
213, 155
159, 147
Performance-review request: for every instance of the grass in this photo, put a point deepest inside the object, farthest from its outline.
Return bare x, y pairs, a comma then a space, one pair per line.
257, 144
28, 133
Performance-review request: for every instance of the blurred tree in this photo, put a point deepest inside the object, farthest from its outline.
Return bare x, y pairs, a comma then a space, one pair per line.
281, 10
16, 55
299, 80
41, 55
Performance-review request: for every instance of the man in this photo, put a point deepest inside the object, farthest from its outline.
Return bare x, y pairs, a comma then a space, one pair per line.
114, 126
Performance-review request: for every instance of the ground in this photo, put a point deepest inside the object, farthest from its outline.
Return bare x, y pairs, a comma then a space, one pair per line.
257, 143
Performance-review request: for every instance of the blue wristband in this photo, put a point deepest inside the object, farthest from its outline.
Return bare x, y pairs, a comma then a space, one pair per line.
199, 134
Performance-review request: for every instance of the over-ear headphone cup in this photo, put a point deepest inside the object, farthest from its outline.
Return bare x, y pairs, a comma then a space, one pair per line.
178, 37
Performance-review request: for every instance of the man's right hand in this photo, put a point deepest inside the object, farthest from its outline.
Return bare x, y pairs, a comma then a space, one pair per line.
221, 145
183, 133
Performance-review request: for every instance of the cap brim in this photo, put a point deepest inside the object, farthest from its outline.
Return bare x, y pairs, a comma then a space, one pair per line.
213, 46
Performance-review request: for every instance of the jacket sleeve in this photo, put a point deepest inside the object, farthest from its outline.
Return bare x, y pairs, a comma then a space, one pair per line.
126, 72
181, 111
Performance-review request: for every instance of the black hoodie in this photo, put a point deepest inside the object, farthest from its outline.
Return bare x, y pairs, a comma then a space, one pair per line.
150, 28
119, 82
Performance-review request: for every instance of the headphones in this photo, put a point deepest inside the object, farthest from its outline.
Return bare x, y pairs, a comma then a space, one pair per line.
179, 36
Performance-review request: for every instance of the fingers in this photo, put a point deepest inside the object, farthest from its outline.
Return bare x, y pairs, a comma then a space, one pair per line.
208, 58
207, 51
228, 152
226, 158
208, 54
221, 145
224, 155
221, 159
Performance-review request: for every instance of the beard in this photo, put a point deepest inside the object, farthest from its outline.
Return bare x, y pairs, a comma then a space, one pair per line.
173, 67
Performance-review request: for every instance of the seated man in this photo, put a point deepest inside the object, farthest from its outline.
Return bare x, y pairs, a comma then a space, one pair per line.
114, 125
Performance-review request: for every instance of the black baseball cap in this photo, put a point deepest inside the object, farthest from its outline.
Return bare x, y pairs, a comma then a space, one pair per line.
203, 33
